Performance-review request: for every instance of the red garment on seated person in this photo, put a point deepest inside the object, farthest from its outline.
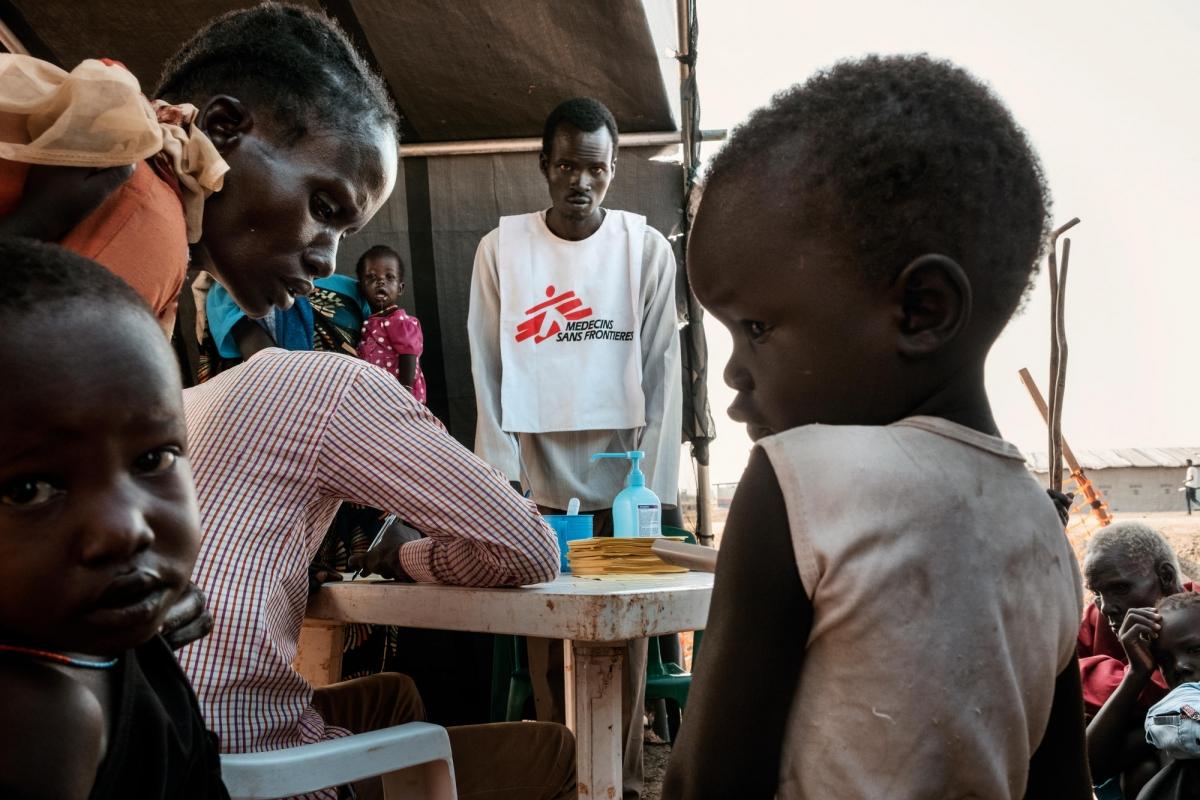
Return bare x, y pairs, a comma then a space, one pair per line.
139, 233
1102, 663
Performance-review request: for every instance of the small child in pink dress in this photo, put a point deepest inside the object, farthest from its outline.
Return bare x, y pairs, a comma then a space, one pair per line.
390, 338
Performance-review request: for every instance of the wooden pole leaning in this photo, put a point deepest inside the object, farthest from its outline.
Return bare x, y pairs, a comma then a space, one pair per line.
1091, 495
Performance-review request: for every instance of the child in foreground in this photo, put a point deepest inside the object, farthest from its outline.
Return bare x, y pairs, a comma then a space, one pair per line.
865, 238
98, 534
1165, 638
391, 338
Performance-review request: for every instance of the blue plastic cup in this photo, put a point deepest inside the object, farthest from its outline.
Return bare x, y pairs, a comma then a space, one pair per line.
569, 527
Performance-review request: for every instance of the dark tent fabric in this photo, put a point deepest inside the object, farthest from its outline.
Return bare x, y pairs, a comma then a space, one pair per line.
479, 69
471, 69
140, 35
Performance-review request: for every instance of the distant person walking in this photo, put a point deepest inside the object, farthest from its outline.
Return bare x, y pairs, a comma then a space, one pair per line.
1191, 482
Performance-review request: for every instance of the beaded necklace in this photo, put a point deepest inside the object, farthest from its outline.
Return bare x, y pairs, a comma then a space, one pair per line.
58, 658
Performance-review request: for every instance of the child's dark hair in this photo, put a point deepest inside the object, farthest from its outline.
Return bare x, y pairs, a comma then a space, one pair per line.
583, 113
295, 61
36, 276
899, 156
1179, 601
379, 251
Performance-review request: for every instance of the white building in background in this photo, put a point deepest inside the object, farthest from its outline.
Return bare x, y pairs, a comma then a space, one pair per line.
1138, 479
1131, 479
725, 493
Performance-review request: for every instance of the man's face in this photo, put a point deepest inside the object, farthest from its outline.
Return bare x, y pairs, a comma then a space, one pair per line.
1177, 648
277, 223
1119, 583
578, 169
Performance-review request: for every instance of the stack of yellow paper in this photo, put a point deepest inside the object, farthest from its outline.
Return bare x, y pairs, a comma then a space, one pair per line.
611, 556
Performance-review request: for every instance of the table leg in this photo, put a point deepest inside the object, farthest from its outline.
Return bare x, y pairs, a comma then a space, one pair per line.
598, 732
319, 652
569, 685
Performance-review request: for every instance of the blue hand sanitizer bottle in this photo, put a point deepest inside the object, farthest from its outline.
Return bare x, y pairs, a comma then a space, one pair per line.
636, 510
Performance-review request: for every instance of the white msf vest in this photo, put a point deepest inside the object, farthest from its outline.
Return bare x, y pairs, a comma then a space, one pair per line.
570, 326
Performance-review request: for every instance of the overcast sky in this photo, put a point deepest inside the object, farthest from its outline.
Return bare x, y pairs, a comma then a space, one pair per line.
1108, 94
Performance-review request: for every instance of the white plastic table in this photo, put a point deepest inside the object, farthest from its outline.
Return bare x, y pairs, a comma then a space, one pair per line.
595, 615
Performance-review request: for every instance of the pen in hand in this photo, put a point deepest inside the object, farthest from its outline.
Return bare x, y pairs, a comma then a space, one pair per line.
387, 523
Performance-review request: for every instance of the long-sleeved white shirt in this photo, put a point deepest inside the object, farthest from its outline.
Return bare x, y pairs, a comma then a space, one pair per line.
557, 466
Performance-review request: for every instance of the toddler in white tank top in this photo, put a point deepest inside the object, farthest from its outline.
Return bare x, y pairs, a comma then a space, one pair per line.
896, 604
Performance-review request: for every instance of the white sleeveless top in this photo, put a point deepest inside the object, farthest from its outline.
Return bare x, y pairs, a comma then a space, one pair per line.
570, 326
946, 602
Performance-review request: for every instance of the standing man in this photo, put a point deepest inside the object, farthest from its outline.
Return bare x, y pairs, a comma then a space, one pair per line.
1191, 482
575, 351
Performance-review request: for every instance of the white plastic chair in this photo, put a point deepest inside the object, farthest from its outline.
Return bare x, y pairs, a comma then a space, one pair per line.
414, 760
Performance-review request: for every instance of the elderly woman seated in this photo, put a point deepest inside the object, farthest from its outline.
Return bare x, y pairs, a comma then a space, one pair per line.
1130, 568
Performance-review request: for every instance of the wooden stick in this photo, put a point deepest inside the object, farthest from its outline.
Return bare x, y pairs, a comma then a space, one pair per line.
1091, 495
1040, 402
1060, 377
1054, 464
1058, 351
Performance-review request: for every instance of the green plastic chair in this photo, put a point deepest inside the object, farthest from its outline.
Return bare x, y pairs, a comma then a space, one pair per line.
511, 686
666, 681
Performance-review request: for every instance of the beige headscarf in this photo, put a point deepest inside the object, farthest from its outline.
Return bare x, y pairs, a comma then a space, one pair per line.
96, 116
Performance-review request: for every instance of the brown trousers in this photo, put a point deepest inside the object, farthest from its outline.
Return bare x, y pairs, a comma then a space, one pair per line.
546, 677
503, 761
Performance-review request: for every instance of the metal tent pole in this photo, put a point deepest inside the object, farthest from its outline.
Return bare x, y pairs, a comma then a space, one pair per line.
11, 42
533, 145
689, 126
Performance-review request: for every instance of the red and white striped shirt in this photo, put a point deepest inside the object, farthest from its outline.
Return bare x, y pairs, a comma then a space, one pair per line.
276, 445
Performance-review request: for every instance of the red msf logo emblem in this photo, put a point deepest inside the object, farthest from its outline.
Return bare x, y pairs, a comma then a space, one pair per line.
565, 307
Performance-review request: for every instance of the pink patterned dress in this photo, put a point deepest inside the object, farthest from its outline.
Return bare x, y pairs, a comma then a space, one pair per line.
389, 334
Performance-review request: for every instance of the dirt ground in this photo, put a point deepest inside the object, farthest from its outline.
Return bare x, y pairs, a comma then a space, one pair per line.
1181, 530
655, 759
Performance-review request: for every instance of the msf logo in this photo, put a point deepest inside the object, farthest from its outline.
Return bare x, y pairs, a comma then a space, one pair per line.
550, 317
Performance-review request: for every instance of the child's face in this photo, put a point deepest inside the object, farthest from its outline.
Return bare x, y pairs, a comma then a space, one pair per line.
277, 223
98, 522
1177, 648
381, 283
813, 339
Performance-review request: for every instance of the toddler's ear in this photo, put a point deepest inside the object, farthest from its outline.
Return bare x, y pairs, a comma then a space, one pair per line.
225, 119
1167, 576
933, 303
